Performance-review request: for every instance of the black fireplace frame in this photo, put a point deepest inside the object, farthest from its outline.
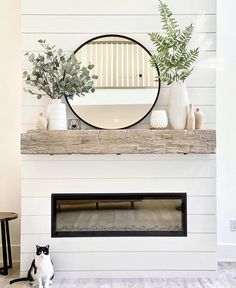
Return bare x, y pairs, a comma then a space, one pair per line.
117, 196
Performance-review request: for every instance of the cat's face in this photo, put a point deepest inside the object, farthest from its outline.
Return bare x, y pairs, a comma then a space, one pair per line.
42, 250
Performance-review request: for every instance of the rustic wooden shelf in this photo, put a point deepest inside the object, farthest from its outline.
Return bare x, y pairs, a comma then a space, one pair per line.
131, 141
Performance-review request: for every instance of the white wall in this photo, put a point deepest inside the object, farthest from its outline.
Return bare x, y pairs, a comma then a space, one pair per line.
191, 256
70, 23
10, 110
226, 134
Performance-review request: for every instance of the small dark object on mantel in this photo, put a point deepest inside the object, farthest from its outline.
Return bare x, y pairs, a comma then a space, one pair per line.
74, 124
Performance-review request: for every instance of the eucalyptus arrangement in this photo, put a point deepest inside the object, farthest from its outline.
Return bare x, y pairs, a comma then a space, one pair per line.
55, 74
173, 57
175, 62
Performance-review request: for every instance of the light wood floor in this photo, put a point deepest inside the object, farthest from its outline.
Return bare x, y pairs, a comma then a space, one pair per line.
226, 278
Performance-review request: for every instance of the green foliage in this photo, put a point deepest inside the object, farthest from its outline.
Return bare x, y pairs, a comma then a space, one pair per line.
173, 58
57, 75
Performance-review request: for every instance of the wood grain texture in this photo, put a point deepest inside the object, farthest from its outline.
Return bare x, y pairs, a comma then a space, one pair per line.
136, 141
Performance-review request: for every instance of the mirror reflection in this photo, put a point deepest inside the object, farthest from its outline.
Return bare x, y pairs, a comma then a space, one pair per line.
125, 90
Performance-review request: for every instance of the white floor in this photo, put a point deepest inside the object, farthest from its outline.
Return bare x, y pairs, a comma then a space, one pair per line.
226, 278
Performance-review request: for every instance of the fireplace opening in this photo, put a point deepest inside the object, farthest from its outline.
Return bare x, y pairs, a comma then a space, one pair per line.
118, 214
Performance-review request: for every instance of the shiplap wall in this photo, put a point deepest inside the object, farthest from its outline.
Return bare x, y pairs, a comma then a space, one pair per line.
68, 24
194, 255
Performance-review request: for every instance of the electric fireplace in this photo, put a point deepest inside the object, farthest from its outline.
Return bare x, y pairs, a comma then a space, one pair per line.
123, 214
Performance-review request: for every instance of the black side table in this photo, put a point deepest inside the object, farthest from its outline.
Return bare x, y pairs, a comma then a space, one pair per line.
5, 217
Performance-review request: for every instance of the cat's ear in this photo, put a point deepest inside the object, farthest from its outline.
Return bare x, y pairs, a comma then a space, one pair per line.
37, 247
47, 247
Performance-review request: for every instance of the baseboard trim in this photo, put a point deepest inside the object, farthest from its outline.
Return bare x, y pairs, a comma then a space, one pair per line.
131, 274
226, 252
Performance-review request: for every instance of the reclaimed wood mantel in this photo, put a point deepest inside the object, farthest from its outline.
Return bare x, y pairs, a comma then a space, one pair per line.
131, 141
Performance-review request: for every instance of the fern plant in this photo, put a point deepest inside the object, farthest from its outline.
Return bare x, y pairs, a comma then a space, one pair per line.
173, 58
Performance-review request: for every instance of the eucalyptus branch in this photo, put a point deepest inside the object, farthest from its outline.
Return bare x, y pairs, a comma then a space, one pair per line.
44, 74
58, 75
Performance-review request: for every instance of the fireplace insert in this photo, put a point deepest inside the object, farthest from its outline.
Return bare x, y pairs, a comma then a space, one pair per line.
118, 214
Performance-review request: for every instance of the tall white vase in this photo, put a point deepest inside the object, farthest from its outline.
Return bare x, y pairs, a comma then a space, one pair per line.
178, 105
56, 114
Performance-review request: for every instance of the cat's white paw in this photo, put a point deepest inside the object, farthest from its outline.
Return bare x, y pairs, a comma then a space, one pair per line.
46, 284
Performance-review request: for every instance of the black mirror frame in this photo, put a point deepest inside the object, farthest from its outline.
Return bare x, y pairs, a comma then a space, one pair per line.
158, 72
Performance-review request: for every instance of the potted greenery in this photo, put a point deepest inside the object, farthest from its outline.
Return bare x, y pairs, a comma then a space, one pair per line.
174, 61
56, 75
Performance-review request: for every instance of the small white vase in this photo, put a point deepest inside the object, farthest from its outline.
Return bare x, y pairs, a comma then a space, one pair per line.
191, 118
199, 117
178, 105
42, 122
56, 114
159, 119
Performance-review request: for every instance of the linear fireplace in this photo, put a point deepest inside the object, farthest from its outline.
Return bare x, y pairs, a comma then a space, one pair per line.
118, 214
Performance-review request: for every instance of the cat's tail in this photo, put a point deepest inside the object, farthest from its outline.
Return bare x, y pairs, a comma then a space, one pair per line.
19, 280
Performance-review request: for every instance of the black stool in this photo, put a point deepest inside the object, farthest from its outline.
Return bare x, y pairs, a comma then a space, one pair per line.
5, 217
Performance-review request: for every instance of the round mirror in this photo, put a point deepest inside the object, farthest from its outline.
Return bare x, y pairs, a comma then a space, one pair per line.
125, 91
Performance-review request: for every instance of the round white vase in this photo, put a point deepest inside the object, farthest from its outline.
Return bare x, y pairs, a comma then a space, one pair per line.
178, 105
159, 119
56, 114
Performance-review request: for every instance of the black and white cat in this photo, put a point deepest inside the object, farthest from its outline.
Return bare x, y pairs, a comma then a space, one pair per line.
41, 271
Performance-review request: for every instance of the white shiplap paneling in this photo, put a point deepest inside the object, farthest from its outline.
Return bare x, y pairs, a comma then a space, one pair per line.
44, 187
131, 24
118, 169
198, 96
109, 261
68, 24
194, 242
69, 27
30, 113
69, 42
122, 7
51, 171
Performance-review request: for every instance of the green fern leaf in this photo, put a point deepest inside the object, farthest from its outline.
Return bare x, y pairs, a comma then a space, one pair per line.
172, 57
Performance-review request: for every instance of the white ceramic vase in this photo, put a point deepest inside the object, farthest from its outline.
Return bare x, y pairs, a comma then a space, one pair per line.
178, 105
42, 122
56, 114
199, 117
159, 119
